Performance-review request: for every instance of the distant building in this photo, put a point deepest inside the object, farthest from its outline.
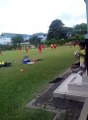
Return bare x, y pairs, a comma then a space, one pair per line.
43, 37
5, 38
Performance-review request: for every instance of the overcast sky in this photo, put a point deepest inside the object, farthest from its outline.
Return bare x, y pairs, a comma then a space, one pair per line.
33, 16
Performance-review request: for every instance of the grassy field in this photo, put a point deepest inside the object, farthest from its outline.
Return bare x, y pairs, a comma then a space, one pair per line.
18, 88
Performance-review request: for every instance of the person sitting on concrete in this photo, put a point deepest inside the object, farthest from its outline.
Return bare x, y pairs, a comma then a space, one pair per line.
75, 67
80, 66
82, 56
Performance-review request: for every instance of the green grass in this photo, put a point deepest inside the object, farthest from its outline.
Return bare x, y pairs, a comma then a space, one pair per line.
18, 88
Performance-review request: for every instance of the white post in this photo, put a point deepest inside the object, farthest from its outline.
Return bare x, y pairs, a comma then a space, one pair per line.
87, 13
86, 36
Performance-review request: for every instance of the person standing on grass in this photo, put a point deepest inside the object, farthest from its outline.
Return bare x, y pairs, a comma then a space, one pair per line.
54, 46
26, 48
20, 49
40, 49
51, 46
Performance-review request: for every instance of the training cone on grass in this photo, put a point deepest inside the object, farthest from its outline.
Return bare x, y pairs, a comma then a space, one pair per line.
21, 70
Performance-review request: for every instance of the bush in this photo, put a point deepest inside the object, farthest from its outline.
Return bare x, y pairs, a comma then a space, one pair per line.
52, 41
6, 47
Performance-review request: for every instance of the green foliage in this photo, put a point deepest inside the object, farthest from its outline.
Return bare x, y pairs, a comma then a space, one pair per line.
52, 41
80, 29
62, 42
77, 37
17, 40
6, 47
59, 32
35, 40
79, 32
56, 30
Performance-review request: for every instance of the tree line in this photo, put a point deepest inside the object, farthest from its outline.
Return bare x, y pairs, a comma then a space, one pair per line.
57, 33
60, 34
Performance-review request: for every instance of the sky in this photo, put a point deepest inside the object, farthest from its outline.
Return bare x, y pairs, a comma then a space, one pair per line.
34, 16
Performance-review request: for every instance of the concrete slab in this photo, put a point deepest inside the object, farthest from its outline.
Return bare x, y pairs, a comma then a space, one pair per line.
85, 78
78, 84
74, 88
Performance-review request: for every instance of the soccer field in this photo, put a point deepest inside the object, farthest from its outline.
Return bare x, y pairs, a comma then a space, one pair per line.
20, 83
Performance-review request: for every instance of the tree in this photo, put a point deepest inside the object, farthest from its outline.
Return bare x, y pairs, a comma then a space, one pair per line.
35, 40
79, 37
56, 30
80, 29
17, 40
51, 41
